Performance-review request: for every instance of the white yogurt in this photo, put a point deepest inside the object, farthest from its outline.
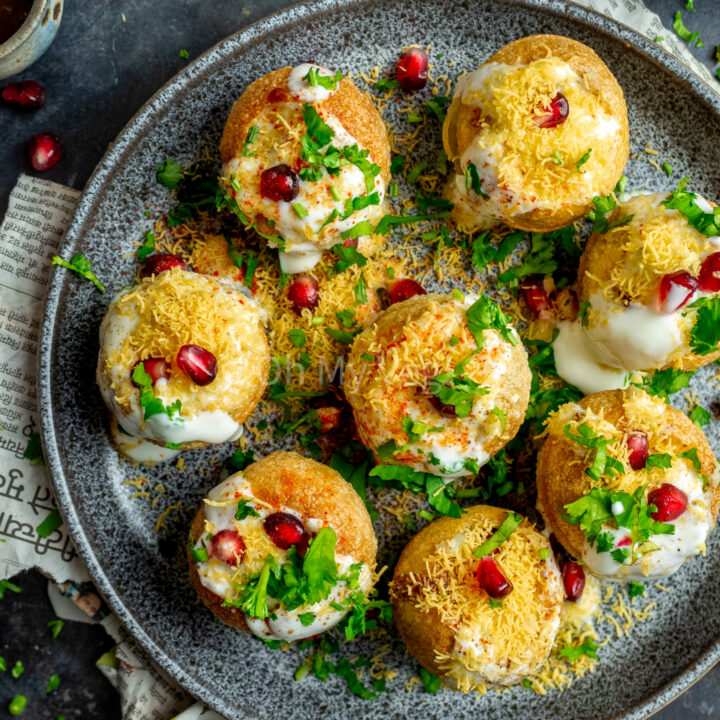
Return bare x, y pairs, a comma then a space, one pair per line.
302, 90
138, 450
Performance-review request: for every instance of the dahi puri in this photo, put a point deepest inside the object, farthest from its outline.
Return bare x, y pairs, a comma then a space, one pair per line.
477, 622
425, 395
643, 282
183, 360
535, 133
306, 157
271, 515
606, 462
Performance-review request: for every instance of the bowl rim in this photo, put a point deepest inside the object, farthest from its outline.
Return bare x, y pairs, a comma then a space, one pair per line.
26, 29
133, 130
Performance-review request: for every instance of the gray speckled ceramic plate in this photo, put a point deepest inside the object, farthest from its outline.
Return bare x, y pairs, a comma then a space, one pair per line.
140, 571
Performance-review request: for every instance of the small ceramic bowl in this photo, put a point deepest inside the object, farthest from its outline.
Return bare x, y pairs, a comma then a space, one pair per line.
32, 39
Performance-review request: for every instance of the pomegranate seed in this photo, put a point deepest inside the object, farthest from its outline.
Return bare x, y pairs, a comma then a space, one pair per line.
675, 291
27, 94
710, 273
199, 364
156, 368
329, 418
44, 151
491, 579
284, 529
160, 262
573, 577
404, 289
624, 542
670, 502
536, 297
303, 293
412, 70
351, 242
554, 115
279, 183
637, 443
228, 547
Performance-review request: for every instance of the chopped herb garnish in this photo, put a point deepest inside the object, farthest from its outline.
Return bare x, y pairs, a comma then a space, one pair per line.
244, 509
150, 404
147, 247
55, 627
484, 314
300, 210
368, 357
682, 31
666, 167
458, 391
700, 416
329, 82
169, 173
636, 589
51, 523
306, 618
7, 585
388, 221
250, 138
430, 682
500, 416
507, 527
17, 705
184, 54
663, 383
297, 337
34, 451
393, 190
81, 265
242, 458
386, 84
473, 181
602, 463
200, 554
583, 160
414, 117
662, 461
705, 334
604, 205
17, 670
572, 652
415, 171
360, 291
557, 158
708, 223
53, 683
396, 164
692, 456
543, 553
341, 336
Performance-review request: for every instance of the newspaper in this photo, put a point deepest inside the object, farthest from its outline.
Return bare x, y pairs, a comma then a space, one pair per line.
37, 217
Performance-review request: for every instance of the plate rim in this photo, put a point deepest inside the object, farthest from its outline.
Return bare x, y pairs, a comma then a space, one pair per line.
128, 136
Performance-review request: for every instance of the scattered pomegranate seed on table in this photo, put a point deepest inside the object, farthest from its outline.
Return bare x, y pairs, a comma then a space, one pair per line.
156, 368
675, 291
155, 264
412, 70
303, 293
491, 579
554, 115
198, 363
44, 150
284, 529
26, 94
573, 577
670, 501
279, 183
637, 443
404, 289
710, 273
228, 547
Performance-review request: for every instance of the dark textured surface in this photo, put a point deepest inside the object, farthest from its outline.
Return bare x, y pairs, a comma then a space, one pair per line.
102, 70
24, 635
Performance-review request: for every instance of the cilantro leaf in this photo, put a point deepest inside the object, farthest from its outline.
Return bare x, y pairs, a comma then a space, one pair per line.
602, 463
389, 221
507, 527
348, 256
437, 497
636, 589
150, 404
484, 314
700, 416
81, 265
386, 84
34, 450
684, 201
603, 206
240, 460
297, 337
659, 460
329, 82
473, 181
572, 652
430, 682
244, 509
458, 391
56, 626
319, 566
692, 456
169, 173
253, 601
147, 247
705, 334
683, 32
666, 382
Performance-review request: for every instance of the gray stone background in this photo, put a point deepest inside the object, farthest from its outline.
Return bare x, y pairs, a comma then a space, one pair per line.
97, 74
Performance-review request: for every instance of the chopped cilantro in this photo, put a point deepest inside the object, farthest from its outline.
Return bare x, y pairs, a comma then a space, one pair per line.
473, 181
441, 162
253, 601
700, 416
346, 317
430, 682
658, 460
692, 456
603, 206
572, 652
184, 54
388, 221
683, 32
147, 247
684, 201
602, 463
81, 265
297, 337
396, 164
241, 459
359, 158
436, 107
200, 555
306, 618
583, 160
348, 256
484, 253
169, 173
500, 416
34, 451
17, 705
152, 405
329, 82
341, 336
484, 314
368, 357
583, 312
55, 627
667, 169
51, 523
17, 670
7, 585
666, 382
506, 529
413, 117
250, 138
53, 683
244, 509
495, 604
544, 553
360, 291
415, 171
386, 84
705, 334
541, 259
636, 589
458, 391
